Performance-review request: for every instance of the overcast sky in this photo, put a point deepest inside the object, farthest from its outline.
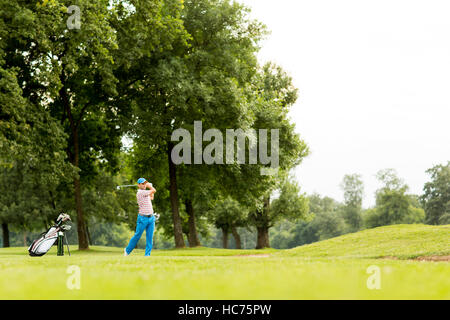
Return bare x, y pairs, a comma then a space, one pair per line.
374, 86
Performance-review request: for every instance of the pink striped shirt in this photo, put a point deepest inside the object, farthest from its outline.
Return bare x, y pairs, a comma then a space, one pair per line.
144, 202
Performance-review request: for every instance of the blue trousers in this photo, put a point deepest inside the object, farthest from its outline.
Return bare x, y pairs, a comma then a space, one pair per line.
147, 224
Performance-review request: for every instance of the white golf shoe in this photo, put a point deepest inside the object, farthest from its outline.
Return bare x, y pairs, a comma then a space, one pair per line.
125, 252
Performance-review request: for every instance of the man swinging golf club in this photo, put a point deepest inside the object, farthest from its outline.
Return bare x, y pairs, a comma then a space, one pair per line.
145, 219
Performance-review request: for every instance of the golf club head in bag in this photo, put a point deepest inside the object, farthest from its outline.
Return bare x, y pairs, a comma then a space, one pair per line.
63, 217
66, 227
42, 245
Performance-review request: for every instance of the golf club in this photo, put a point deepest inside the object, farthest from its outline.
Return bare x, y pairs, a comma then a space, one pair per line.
129, 186
126, 186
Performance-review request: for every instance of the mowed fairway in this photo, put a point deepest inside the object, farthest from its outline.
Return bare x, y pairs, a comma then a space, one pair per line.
330, 269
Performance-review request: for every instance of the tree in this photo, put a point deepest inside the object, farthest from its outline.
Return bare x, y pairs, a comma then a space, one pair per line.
109, 234
324, 221
303, 233
192, 233
155, 31
328, 225
281, 234
66, 72
390, 180
32, 157
12, 135
290, 205
227, 215
202, 80
353, 188
199, 190
28, 193
393, 205
436, 196
272, 95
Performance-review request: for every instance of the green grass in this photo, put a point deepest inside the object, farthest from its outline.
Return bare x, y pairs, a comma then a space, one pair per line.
331, 269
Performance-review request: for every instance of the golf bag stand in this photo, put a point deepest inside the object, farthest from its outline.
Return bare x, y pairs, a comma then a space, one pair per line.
61, 237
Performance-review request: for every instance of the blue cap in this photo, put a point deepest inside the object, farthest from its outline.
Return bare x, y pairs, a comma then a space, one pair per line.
141, 180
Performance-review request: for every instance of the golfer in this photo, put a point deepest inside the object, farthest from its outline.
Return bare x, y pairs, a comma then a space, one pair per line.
145, 219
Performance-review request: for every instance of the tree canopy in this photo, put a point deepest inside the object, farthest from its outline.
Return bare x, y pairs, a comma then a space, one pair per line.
436, 196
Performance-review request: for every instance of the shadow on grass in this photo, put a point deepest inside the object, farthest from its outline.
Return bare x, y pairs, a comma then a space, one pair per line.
101, 250
23, 251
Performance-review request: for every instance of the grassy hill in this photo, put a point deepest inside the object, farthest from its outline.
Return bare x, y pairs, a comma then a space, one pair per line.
400, 241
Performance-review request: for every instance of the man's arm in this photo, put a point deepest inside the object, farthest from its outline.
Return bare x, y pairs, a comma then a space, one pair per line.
152, 190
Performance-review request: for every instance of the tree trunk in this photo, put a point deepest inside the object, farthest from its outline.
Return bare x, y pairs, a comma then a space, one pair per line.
81, 225
177, 228
225, 238
5, 231
25, 242
263, 238
263, 226
237, 237
74, 159
193, 236
88, 234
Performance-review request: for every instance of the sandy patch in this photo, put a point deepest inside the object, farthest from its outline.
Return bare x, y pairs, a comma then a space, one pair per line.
423, 258
252, 255
433, 258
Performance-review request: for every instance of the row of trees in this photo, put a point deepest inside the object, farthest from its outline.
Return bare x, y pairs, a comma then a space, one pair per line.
136, 69
329, 218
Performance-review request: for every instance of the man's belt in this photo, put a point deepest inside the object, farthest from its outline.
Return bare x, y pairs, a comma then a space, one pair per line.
146, 215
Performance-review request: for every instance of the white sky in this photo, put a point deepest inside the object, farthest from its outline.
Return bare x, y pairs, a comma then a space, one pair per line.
374, 86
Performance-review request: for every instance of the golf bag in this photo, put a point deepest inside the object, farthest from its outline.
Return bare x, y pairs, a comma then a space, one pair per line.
42, 245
